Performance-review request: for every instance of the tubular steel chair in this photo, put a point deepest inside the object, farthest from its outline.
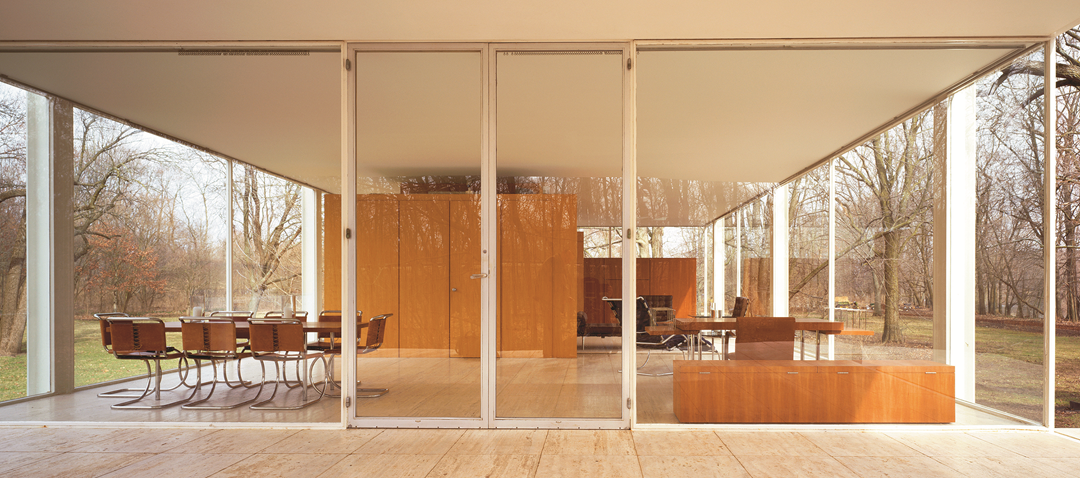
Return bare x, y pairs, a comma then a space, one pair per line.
106, 343
212, 339
376, 331
143, 338
765, 338
330, 344
643, 339
278, 341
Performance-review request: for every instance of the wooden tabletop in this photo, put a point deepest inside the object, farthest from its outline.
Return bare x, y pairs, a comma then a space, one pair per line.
322, 327
728, 323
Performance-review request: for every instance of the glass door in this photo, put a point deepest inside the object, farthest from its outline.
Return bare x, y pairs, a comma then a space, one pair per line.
559, 156
418, 236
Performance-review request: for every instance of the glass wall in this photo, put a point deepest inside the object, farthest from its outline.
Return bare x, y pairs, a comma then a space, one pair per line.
808, 243
418, 153
1009, 249
13, 169
884, 224
755, 244
1067, 364
266, 236
559, 164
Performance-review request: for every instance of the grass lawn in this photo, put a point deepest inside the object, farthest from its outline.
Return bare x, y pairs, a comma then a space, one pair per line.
92, 363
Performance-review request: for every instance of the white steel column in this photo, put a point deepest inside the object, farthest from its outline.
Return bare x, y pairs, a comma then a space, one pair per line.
311, 231
50, 255
738, 253
1049, 232
954, 240
719, 258
709, 256
832, 254
229, 235
780, 252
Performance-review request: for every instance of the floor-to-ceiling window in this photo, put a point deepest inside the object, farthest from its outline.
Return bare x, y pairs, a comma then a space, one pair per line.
559, 161
13, 170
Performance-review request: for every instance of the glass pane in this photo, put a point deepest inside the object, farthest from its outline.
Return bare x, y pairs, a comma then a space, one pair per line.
731, 259
559, 166
884, 244
808, 243
267, 251
13, 136
418, 232
756, 255
1009, 248
1068, 240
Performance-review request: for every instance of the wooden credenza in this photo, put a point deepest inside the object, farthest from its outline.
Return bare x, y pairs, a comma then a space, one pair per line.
416, 253
813, 391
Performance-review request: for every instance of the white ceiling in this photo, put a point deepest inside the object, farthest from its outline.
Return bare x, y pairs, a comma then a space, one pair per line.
717, 119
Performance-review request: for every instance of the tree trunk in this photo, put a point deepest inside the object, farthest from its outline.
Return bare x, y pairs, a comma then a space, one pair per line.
892, 332
13, 306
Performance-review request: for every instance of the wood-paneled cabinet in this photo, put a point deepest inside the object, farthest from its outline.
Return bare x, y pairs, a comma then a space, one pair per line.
811, 391
417, 252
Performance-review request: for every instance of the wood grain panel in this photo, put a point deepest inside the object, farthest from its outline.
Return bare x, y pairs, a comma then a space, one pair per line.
797, 391
377, 230
525, 277
676, 277
564, 273
331, 251
464, 291
425, 276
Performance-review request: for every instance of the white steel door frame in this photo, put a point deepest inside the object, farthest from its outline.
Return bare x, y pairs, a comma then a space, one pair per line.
489, 237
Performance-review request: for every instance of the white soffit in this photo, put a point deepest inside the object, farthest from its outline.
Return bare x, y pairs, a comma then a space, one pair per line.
281, 113
763, 115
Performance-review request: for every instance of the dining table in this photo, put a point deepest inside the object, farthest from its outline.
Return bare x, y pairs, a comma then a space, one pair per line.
693, 326
333, 328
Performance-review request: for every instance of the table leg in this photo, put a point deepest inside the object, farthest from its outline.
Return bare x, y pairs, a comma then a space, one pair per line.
818, 355
802, 345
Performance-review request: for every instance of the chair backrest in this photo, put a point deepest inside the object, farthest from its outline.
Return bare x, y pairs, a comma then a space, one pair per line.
742, 305
376, 331
643, 315
334, 316
277, 314
136, 334
764, 338
276, 335
208, 334
106, 337
235, 315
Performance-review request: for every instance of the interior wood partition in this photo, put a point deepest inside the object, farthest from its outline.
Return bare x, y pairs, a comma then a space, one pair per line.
415, 256
676, 277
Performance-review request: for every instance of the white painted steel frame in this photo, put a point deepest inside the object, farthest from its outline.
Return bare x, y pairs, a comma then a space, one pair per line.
229, 236
1049, 231
629, 222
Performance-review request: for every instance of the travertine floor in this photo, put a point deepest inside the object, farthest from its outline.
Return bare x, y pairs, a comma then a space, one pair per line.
76, 452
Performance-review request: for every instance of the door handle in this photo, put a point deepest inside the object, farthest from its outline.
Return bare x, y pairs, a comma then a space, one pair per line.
478, 276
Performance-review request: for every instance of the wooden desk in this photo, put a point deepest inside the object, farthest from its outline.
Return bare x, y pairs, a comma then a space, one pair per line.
802, 325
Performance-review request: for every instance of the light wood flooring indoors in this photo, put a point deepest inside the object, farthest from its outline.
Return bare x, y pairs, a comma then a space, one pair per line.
584, 387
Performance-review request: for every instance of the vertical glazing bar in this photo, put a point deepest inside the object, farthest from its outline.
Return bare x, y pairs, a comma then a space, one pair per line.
229, 237
832, 254
629, 212
1050, 231
348, 223
489, 237
719, 258
780, 251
